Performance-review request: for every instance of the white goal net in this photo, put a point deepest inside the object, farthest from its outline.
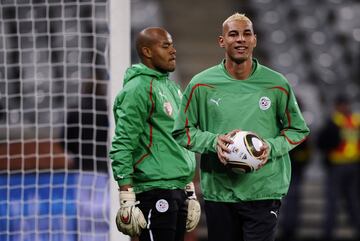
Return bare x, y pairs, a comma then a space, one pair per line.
54, 120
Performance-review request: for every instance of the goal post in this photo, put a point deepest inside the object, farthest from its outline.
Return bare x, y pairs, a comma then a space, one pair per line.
61, 64
119, 61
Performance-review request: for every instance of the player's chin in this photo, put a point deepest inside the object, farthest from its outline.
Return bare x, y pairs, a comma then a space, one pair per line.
171, 67
239, 58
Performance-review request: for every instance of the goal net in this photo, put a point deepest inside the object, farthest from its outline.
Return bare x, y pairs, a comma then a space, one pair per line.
54, 126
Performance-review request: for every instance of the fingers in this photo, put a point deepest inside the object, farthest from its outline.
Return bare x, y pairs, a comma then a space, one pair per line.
222, 156
265, 156
232, 133
222, 146
222, 142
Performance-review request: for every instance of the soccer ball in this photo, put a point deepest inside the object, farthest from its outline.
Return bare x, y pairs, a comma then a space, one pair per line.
244, 152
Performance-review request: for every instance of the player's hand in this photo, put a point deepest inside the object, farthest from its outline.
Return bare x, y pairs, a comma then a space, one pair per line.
222, 145
129, 219
194, 209
265, 156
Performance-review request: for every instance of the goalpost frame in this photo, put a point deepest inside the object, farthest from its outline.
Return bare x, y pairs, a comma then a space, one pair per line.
120, 30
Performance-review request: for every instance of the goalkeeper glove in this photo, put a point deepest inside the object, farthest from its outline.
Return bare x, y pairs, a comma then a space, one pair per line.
194, 209
129, 219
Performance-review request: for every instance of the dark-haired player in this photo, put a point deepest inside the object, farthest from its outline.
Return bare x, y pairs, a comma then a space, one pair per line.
151, 169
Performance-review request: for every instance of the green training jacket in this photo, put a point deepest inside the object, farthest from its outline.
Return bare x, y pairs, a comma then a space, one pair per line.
143, 150
215, 103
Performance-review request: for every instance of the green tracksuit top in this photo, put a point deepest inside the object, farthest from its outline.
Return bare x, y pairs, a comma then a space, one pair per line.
215, 103
143, 150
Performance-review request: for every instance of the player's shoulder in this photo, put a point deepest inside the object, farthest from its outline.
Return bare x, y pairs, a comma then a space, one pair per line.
273, 76
272, 73
206, 76
139, 77
137, 86
139, 82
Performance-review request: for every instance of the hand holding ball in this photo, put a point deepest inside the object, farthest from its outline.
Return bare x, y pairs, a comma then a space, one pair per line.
245, 152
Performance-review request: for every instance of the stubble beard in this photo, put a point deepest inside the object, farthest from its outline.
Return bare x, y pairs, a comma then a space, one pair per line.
238, 60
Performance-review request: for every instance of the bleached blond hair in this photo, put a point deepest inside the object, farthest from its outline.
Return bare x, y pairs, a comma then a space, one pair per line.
236, 16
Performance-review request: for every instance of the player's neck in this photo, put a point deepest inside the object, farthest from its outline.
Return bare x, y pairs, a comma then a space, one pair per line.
240, 71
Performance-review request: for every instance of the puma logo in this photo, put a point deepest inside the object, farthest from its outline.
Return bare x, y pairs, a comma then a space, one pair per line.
215, 101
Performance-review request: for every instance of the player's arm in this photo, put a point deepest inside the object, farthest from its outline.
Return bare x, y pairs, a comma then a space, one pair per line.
130, 114
186, 131
294, 129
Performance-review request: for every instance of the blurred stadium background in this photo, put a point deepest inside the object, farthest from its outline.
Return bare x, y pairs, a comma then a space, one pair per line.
55, 99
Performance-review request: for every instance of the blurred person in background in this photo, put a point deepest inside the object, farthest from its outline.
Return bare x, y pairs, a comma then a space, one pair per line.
291, 209
339, 141
240, 93
154, 173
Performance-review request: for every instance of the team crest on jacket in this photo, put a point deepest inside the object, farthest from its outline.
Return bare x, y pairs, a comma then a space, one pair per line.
264, 103
168, 108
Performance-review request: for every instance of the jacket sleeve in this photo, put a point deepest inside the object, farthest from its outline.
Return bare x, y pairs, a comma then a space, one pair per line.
130, 112
186, 130
293, 127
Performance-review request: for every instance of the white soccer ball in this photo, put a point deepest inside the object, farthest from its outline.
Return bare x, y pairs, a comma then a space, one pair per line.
244, 152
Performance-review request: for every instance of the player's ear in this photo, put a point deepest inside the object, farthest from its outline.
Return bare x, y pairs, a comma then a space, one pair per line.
221, 41
146, 52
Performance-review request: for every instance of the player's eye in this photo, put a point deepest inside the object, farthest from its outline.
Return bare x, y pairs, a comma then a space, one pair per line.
247, 33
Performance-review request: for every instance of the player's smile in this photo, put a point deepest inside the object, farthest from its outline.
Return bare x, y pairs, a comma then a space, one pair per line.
241, 49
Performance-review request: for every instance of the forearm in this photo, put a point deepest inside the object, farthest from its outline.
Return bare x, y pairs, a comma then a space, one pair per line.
122, 167
287, 140
196, 140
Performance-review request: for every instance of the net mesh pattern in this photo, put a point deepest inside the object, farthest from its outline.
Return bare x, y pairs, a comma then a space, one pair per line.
54, 120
